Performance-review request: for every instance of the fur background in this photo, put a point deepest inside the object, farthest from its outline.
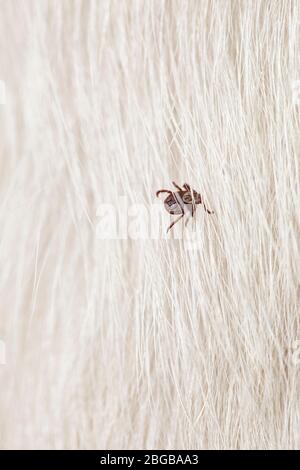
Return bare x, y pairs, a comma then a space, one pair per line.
146, 343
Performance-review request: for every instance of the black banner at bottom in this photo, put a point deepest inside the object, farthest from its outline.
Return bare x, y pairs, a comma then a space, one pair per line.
140, 458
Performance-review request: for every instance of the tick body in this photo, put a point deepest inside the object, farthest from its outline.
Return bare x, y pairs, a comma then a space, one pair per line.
181, 202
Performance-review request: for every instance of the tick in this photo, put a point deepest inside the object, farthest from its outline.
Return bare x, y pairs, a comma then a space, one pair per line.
181, 202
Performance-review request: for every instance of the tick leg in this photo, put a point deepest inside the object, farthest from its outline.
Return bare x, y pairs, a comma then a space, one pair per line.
205, 208
176, 186
175, 221
187, 220
187, 187
163, 191
190, 214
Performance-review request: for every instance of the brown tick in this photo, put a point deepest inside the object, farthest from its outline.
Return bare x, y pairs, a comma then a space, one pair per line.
182, 201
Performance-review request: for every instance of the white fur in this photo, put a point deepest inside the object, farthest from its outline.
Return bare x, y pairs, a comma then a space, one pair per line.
145, 343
